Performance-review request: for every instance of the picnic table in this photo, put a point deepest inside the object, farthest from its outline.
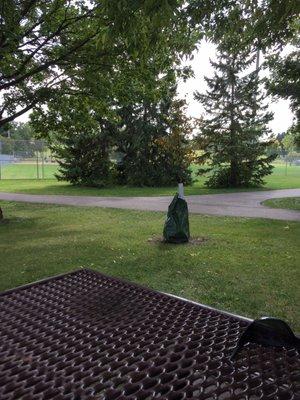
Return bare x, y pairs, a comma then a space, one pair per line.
87, 336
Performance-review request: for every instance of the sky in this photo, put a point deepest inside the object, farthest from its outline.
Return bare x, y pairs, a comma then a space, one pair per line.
283, 117
201, 66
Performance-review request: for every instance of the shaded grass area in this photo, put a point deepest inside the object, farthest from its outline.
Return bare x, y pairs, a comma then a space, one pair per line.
278, 180
246, 266
51, 187
292, 203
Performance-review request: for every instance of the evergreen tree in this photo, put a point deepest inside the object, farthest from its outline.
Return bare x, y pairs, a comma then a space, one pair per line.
79, 139
83, 158
145, 132
153, 140
233, 136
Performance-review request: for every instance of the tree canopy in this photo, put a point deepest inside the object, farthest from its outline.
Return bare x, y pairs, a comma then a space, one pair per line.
285, 83
43, 43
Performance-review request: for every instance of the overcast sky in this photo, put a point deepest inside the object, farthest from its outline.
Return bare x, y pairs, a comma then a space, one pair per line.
201, 66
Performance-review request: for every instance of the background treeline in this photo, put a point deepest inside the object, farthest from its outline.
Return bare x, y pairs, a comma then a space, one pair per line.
18, 139
101, 80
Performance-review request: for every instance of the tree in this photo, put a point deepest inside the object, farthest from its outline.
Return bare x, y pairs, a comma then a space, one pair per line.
20, 131
42, 43
79, 139
84, 159
285, 83
232, 134
134, 114
17, 138
175, 147
131, 93
265, 23
288, 142
153, 141
36, 42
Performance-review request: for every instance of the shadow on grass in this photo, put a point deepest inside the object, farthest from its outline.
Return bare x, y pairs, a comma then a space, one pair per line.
51, 187
160, 242
12, 222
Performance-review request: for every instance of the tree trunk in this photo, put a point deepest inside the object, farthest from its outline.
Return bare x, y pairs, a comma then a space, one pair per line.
233, 179
1, 214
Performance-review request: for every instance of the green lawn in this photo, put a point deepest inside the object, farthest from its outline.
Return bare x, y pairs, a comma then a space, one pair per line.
28, 171
292, 203
278, 180
247, 266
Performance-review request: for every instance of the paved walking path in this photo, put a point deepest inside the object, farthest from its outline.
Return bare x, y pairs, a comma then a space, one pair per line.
241, 204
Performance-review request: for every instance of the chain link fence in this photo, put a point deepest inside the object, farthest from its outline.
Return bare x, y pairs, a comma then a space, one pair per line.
26, 159
32, 159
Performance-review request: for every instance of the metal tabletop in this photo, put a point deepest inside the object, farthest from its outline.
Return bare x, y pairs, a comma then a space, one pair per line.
85, 336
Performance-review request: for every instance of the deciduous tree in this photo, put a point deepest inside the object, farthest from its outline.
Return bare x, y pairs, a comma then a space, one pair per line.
43, 42
285, 83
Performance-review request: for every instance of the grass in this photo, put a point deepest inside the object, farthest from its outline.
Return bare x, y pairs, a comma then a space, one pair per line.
28, 171
292, 203
247, 266
278, 180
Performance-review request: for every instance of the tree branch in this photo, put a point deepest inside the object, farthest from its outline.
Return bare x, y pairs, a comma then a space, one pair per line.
4, 121
46, 65
62, 27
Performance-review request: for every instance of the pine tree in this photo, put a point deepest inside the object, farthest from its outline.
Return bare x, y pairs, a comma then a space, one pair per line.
234, 135
79, 139
153, 140
83, 158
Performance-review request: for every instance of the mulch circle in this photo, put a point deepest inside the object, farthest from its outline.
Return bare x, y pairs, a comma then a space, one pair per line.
194, 241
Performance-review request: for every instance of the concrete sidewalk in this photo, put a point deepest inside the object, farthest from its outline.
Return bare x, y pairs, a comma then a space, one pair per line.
241, 204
